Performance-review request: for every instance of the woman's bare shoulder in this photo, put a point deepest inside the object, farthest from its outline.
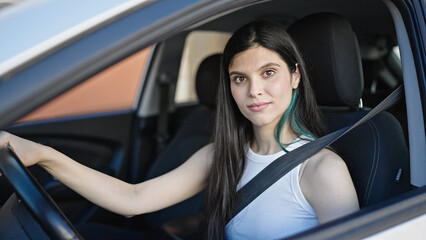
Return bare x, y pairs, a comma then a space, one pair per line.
327, 185
326, 168
325, 160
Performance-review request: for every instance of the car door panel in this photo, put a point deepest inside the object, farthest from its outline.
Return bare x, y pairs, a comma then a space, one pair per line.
101, 142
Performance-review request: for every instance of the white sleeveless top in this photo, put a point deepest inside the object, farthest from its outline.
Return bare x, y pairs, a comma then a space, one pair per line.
280, 211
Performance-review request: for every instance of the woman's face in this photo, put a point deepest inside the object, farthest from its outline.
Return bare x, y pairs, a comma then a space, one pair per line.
261, 85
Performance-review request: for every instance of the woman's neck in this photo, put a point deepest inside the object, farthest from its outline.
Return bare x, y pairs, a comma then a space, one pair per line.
264, 141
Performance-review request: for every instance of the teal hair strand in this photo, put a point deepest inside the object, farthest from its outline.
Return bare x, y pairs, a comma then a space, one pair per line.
294, 121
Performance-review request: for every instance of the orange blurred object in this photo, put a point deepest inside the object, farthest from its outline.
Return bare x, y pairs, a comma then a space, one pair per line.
112, 89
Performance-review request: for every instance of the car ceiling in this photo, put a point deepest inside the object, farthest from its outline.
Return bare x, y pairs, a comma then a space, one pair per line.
370, 19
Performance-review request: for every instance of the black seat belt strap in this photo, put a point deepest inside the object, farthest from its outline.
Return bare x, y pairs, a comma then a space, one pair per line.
162, 135
282, 165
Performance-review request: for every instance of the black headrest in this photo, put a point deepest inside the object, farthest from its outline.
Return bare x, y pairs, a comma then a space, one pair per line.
207, 80
330, 49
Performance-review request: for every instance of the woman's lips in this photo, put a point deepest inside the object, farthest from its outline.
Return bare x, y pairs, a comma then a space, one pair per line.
257, 107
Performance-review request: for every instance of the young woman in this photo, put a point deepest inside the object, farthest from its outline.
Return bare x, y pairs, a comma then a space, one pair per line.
265, 108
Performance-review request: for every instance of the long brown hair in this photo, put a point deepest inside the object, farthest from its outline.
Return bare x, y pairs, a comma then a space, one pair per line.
233, 131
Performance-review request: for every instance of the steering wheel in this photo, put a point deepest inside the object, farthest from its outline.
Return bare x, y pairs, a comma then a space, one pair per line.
38, 202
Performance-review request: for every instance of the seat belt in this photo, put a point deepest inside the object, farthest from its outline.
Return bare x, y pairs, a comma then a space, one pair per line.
162, 135
282, 165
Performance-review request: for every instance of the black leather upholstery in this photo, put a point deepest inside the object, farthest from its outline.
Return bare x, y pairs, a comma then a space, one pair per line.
332, 55
375, 153
207, 80
194, 133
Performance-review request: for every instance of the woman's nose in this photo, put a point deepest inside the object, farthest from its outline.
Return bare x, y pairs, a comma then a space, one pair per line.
255, 88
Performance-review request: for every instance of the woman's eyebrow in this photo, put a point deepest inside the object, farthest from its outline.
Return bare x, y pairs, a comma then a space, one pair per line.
260, 68
269, 65
236, 72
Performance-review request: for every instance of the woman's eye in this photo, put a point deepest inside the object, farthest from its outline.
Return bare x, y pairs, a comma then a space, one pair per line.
268, 73
238, 79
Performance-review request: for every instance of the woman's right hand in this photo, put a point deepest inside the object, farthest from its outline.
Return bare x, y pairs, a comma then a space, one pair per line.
109, 192
28, 152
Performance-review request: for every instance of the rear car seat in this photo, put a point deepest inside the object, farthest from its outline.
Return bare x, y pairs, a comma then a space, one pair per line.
194, 133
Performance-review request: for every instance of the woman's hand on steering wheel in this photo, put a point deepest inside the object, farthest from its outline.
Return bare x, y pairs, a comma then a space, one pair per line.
27, 151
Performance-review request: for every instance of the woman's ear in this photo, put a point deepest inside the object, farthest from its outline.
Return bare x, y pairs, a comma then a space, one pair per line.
295, 78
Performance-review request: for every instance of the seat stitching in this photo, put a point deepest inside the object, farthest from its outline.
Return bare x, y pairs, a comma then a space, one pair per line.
366, 193
376, 158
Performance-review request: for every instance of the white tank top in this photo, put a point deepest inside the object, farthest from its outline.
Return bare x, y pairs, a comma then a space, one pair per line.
280, 211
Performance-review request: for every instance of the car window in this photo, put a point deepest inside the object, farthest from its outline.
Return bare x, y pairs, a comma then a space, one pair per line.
113, 89
198, 45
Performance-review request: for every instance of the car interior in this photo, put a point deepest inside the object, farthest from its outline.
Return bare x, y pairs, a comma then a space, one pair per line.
351, 51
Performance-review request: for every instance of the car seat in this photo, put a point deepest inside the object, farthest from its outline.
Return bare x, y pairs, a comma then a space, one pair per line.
376, 153
194, 133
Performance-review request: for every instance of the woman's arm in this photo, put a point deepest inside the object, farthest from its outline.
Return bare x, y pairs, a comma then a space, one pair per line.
327, 185
111, 193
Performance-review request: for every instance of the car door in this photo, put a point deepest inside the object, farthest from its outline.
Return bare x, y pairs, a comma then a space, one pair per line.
91, 123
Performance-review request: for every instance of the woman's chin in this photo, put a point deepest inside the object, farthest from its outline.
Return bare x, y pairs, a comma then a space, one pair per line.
261, 123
